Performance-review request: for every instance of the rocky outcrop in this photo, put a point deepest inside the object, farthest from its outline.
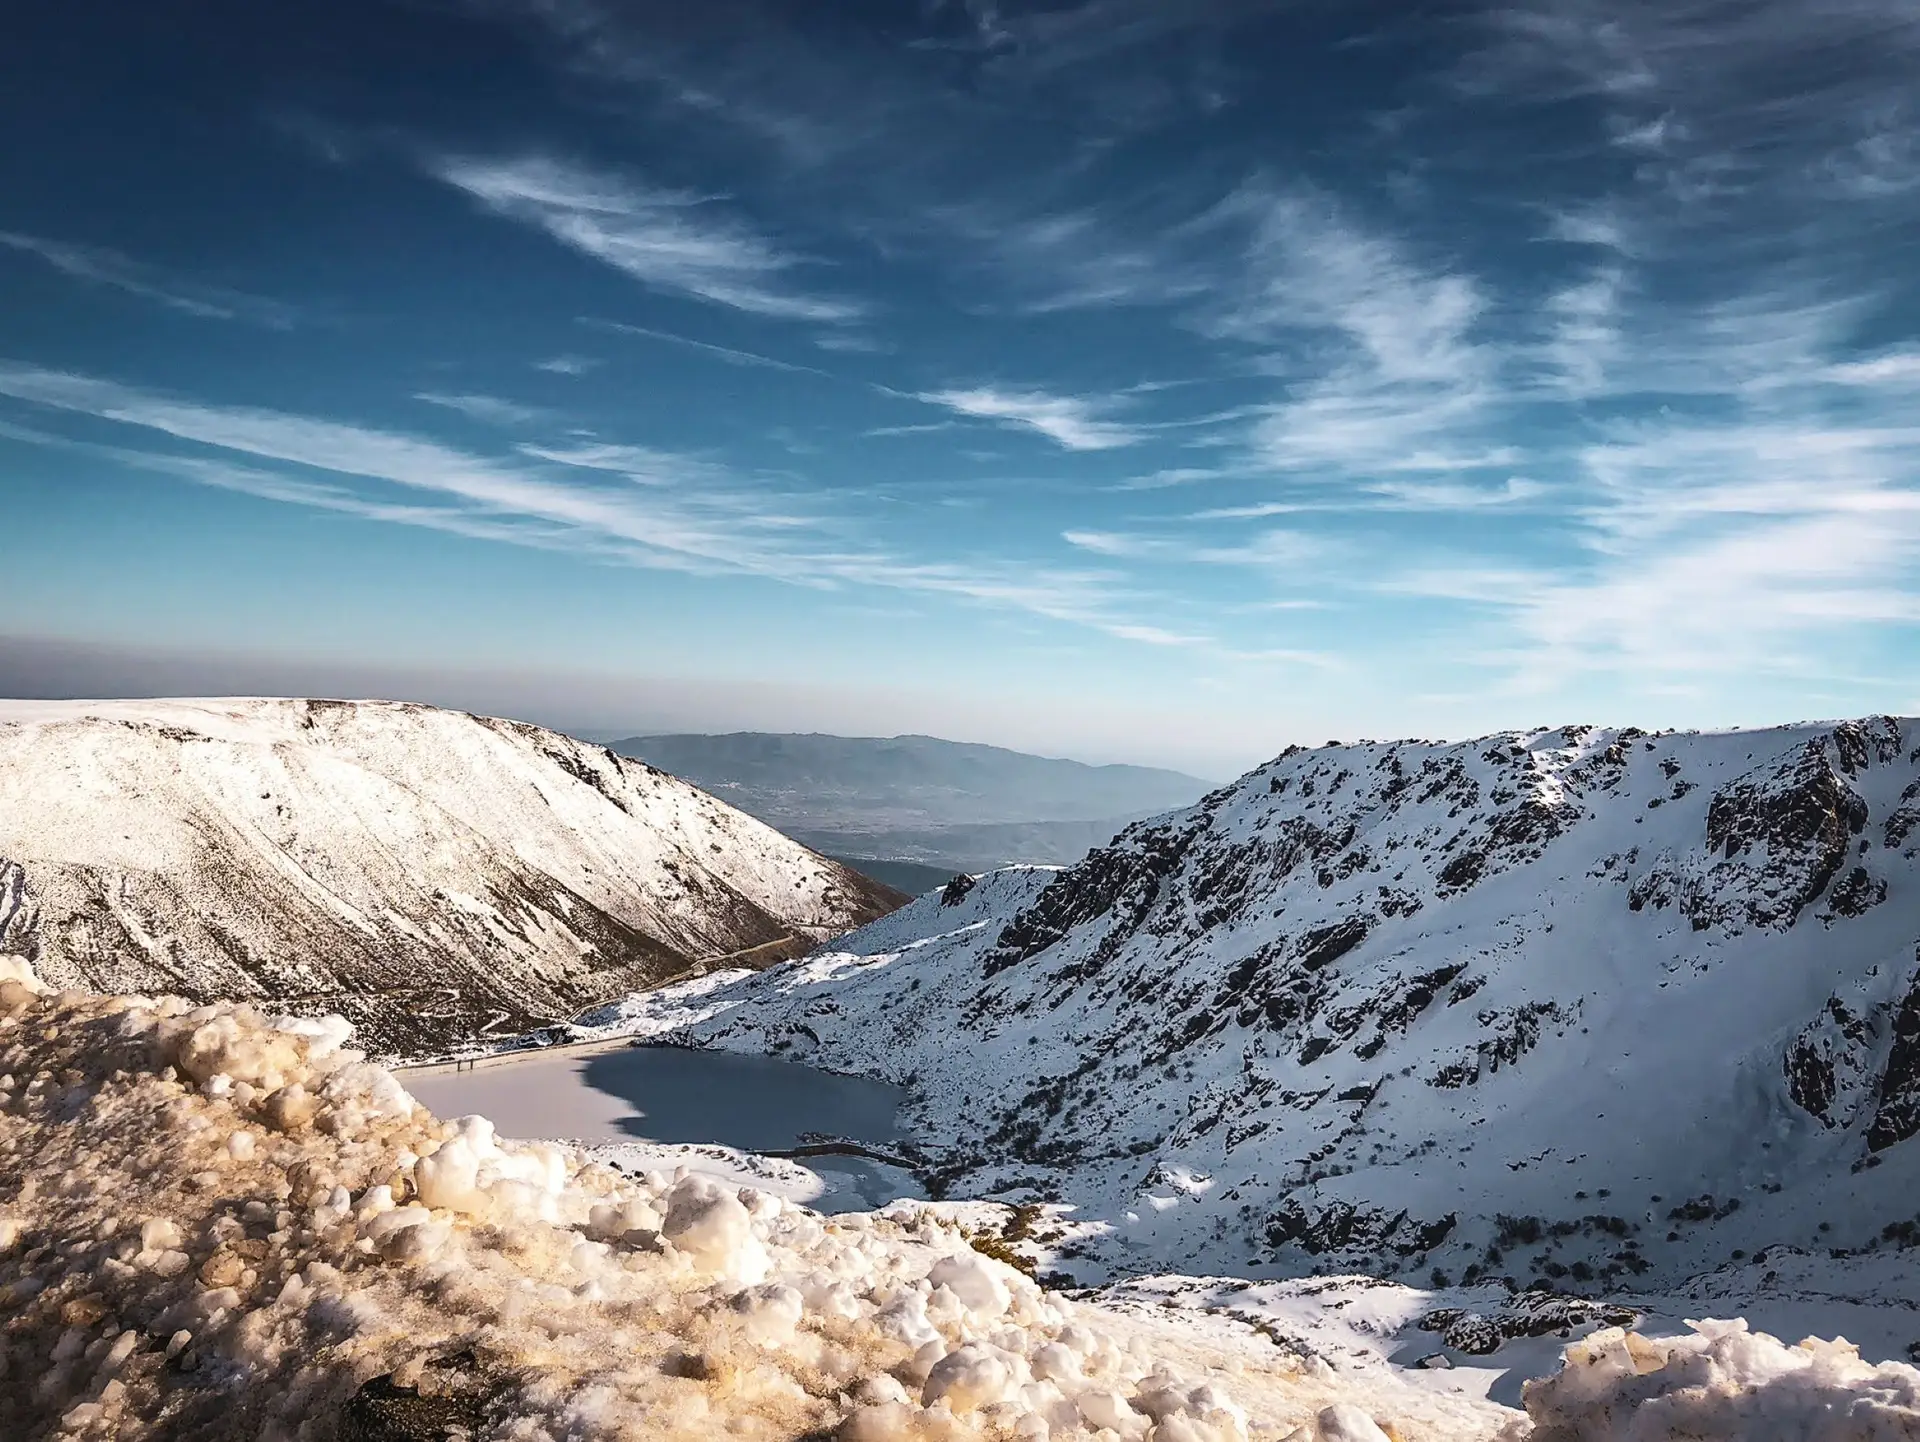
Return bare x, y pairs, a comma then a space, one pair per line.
1531, 1313
1859, 1060
1118, 884
1829, 1066
1896, 1116
1776, 837
1799, 817
1343, 1227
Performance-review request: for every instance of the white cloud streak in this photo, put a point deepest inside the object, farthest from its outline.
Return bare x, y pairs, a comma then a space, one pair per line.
670, 241
490, 410
1073, 423
97, 265
646, 507
1270, 549
729, 354
1898, 369
1381, 354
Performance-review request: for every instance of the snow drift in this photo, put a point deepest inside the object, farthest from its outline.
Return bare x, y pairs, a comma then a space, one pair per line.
1597, 1009
425, 871
217, 1225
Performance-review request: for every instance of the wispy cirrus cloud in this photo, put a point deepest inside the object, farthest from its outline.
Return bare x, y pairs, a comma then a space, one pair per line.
1895, 368
1584, 335
1270, 548
1454, 495
631, 504
1380, 353
491, 410
1083, 257
566, 365
921, 428
1704, 549
98, 265
1722, 102
1073, 423
1387, 495
668, 240
730, 354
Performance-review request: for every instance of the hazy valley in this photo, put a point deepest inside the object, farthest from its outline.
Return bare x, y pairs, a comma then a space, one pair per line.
942, 805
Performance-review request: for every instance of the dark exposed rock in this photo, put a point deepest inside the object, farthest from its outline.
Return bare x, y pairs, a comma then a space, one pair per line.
1856, 893
1526, 1314
1897, 1113
1398, 903
1901, 824
1529, 825
1776, 838
454, 1397
1850, 747
1512, 1034
1326, 944
1800, 813
1344, 1227
1839, 1038
957, 890
1124, 878
1421, 991
1858, 1060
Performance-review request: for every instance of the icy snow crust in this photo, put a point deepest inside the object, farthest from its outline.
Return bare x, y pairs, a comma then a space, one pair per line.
217, 1225
428, 872
1599, 1009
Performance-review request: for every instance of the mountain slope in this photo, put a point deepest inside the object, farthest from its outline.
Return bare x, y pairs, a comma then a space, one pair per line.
426, 871
1585, 1006
919, 798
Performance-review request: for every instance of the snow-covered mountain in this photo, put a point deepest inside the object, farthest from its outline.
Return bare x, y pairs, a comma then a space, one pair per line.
1601, 1008
427, 872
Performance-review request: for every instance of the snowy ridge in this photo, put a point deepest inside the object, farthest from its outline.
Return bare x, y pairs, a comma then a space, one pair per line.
218, 1225
1593, 1008
429, 872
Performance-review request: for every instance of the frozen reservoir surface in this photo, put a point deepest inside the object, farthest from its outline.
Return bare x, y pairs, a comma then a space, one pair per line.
660, 1106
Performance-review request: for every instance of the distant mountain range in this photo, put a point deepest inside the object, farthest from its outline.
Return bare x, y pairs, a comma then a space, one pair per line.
942, 805
427, 872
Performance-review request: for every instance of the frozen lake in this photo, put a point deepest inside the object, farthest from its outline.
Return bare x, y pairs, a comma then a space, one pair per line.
651, 1099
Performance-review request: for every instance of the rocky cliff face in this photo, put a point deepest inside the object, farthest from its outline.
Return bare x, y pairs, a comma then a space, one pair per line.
1574, 1005
428, 872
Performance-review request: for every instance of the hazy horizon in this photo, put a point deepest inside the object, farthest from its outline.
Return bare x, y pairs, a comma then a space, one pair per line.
608, 708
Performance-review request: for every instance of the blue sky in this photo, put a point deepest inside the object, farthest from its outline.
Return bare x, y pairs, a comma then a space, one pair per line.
1123, 379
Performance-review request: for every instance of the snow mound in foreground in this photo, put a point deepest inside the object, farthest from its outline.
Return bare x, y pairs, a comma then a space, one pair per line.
215, 1224
1723, 1384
